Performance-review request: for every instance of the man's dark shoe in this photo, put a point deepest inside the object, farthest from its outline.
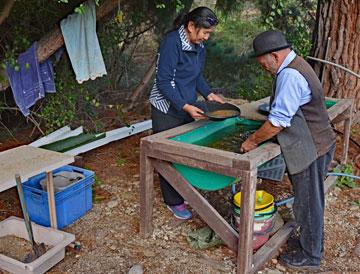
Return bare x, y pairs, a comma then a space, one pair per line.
298, 261
294, 243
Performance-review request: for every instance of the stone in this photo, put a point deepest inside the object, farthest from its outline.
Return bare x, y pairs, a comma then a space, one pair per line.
280, 267
136, 269
273, 271
274, 261
149, 253
113, 247
112, 204
357, 249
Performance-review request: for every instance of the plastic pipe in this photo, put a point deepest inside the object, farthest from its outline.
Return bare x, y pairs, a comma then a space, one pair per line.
343, 174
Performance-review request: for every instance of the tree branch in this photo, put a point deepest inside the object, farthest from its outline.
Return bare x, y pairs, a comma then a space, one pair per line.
335, 65
6, 10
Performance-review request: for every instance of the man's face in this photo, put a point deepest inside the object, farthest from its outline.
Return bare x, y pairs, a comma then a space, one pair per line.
268, 63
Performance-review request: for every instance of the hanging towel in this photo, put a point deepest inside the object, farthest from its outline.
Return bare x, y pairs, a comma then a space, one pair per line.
31, 80
79, 31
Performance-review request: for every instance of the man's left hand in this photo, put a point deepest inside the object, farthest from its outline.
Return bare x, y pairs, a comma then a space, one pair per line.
216, 98
247, 146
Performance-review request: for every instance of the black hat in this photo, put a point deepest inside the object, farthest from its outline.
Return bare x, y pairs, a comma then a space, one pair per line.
269, 41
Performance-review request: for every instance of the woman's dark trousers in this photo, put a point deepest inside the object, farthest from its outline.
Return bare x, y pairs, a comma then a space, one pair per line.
162, 122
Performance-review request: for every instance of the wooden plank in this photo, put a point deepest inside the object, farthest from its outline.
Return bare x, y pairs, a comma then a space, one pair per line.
248, 191
270, 248
146, 192
224, 158
329, 183
28, 161
198, 203
257, 157
177, 130
200, 164
339, 108
51, 199
340, 118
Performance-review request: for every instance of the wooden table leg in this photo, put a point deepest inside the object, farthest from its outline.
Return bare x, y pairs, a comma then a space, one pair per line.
345, 148
146, 193
51, 199
245, 250
198, 203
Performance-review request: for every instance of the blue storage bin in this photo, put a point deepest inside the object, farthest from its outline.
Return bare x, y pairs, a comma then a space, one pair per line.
71, 203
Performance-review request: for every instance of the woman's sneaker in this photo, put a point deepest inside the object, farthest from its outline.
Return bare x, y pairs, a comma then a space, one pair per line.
180, 211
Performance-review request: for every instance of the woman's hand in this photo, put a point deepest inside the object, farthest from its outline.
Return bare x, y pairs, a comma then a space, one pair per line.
193, 111
214, 97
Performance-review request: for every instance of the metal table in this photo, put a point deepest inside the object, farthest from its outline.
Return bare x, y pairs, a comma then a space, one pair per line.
29, 161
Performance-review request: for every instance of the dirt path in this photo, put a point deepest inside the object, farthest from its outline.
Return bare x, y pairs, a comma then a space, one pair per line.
109, 232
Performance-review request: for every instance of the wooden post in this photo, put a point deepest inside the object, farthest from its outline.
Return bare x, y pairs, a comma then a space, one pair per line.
347, 128
51, 199
146, 191
245, 250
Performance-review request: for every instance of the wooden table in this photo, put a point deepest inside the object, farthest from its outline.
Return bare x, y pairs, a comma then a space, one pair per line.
28, 161
158, 153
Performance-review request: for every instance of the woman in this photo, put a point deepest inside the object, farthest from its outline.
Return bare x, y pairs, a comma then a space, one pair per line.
179, 76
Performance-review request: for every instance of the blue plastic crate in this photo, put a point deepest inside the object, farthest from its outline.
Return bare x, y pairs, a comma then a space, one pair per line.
71, 203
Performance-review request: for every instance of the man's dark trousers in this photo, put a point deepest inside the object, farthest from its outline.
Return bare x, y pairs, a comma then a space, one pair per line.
308, 187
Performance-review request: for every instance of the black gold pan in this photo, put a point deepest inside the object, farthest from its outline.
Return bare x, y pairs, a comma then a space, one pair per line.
219, 112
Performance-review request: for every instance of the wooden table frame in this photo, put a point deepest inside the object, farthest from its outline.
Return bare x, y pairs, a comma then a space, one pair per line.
158, 153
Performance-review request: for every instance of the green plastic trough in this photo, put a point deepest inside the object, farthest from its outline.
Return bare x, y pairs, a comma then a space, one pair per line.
206, 135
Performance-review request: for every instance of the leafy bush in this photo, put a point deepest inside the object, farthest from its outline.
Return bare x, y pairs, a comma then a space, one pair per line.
228, 65
295, 18
343, 181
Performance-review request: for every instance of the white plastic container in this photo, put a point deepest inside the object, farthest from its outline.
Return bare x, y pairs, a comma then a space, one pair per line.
57, 239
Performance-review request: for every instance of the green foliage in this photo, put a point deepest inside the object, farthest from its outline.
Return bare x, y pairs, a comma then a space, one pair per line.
228, 65
356, 202
295, 18
97, 181
60, 108
343, 181
120, 161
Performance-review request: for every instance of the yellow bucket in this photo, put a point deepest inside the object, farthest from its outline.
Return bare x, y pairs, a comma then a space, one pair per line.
264, 201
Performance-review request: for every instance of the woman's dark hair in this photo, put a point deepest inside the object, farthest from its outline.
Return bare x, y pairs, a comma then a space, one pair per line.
202, 17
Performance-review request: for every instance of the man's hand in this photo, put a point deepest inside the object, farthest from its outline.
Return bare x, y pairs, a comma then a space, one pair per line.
264, 133
247, 146
193, 111
214, 97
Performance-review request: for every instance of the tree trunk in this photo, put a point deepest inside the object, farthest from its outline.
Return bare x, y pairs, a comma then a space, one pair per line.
338, 20
6, 8
52, 41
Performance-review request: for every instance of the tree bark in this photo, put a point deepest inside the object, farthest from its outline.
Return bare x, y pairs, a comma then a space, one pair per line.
7, 6
338, 20
52, 41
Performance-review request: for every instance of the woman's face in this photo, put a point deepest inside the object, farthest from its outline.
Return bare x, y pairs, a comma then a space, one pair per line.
198, 35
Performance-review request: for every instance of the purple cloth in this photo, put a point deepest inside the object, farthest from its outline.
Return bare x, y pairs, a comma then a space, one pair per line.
30, 82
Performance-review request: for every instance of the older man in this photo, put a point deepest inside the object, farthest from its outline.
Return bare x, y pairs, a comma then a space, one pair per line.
300, 122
